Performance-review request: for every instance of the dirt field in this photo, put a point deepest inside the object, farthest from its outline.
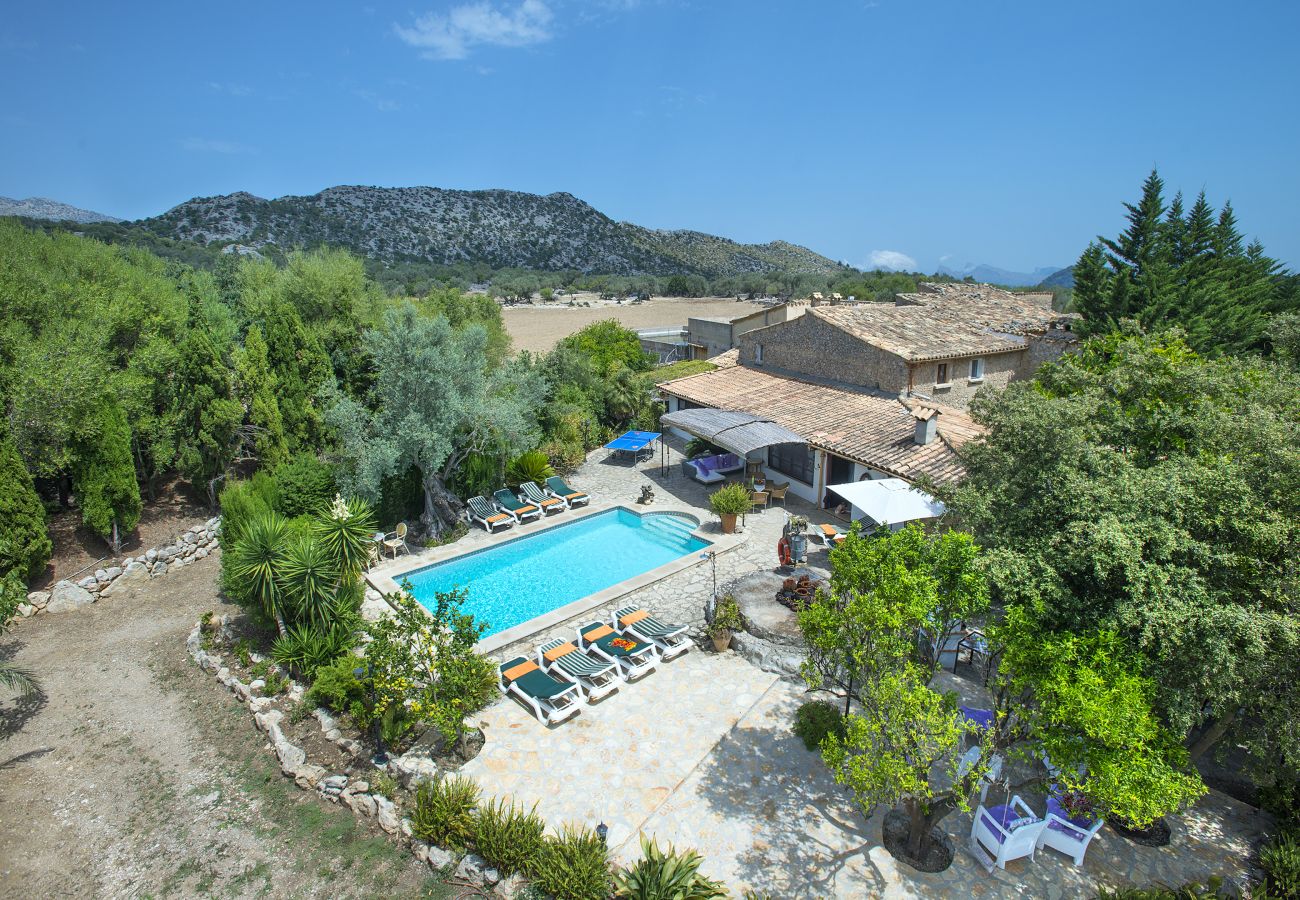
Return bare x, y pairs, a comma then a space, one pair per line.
136, 775
541, 325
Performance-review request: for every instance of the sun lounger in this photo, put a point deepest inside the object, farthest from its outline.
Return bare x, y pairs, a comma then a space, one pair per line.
637, 623
530, 492
550, 700
633, 662
511, 505
487, 515
556, 488
564, 660
829, 535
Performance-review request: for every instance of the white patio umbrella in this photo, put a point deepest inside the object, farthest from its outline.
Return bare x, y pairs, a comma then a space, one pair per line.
889, 501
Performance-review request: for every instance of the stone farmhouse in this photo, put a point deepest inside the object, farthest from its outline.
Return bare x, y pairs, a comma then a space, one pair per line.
878, 390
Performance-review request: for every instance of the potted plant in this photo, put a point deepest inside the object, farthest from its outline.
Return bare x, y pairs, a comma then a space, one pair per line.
726, 620
798, 540
728, 502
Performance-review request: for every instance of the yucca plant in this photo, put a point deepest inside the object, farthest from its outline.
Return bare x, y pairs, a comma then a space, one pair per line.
666, 875
254, 561
531, 466
345, 531
1280, 860
508, 837
574, 865
306, 649
309, 580
444, 811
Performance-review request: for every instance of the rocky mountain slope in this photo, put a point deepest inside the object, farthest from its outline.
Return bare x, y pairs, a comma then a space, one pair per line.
501, 228
44, 208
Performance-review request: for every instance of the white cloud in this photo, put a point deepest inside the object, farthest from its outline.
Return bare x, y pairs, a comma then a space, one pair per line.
207, 145
893, 260
383, 104
454, 34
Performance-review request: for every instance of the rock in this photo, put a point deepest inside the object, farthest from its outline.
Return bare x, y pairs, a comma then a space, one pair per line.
512, 886
194, 529
474, 868
127, 581
491, 876
421, 850
292, 757
257, 704
213, 522
779, 659
269, 719
190, 539
296, 692
309, 776
326, 720
200, 553
333, 735
334, 783
440, 859
211, 545
363, 804
101, 575
359, 787
411, 769
159, 568
257, 685
223, 675
86, 582
150, 555
134, 567
38, 599
26, 609
68, 596
404, 827
111, 573
386, 814
179, 563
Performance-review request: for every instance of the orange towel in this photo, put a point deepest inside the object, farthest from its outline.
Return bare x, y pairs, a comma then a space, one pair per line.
597, 633
498, 517
633, 618
550, 502
556, 652
829, 530
524, 510
519, 671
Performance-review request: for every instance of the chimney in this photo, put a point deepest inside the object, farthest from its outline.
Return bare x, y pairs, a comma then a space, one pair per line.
927, 424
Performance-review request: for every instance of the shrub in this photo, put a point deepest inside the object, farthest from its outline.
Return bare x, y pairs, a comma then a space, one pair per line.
444, 812
816, 719
275, 684
565, 456
1193, 890
574, 865
1280, 860
103, 473
531, 466
26, 548
305, 649
303, 485
243, 501
508, 837
730, 500
666, 875
337, 687
384, 784
726, 617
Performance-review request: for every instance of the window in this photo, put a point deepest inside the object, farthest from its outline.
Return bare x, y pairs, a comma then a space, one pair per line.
977, 368
942, 377
758, 354
795, 460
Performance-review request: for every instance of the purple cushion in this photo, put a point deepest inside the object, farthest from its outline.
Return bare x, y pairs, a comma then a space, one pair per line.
998, 816
1054, 807
728, 461
705, 464
983, 718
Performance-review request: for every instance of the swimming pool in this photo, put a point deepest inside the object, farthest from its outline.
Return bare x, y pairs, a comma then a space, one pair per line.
534, 574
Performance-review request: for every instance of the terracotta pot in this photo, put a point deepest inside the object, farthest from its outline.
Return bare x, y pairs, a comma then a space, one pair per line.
728, 523
788, 584
722, 641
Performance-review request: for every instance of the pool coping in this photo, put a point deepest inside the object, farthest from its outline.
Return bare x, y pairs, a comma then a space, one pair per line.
385, 577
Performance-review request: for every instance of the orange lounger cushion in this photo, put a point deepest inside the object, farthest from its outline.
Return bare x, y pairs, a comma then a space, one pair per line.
829, 530
634, 617
597, 633
498, 517
519, 671
556, 652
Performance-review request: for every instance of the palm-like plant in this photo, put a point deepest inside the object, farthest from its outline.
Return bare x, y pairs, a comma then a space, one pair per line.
666, 875
345, 531
531, 466
625, 394
308, 578
255, 560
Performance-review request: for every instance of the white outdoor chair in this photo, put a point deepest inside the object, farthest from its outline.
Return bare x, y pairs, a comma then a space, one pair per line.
970, 758
397, 540
1002, 833
1069, 837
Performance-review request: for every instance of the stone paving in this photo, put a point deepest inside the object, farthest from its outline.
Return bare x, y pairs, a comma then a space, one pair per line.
699, 753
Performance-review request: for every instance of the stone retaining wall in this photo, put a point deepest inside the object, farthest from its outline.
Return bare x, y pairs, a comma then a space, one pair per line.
197, 542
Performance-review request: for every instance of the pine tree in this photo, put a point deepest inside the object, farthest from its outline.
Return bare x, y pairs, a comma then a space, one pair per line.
256, 386
25, 546
104, 476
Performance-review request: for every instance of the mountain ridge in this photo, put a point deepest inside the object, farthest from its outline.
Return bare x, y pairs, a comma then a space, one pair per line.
500, 227
51, 210
986, 274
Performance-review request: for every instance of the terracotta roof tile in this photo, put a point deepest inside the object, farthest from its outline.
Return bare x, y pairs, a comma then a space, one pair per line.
873, 428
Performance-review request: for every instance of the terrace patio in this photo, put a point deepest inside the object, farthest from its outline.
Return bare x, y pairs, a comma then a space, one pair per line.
700, 753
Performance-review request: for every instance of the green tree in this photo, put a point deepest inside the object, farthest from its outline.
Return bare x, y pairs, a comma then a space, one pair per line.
26, 546
1139, 488
608, 345
892, 595
104, 476
435, 402
12, 593
256, 387
209, 417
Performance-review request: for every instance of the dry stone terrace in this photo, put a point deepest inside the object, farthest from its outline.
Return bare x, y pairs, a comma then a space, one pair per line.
700, 753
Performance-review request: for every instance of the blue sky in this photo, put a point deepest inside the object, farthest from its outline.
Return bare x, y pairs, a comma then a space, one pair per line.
999, 132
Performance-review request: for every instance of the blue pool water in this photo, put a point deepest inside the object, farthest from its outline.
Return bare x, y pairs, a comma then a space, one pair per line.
531, 575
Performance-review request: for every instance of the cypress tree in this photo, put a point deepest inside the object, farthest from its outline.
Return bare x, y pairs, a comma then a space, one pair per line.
24, 543
104, 476
208, 415
257, 389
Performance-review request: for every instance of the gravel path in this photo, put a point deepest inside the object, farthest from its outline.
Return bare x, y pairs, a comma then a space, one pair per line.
135, 775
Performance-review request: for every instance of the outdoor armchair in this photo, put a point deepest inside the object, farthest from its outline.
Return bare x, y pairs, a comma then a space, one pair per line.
999, 834
397, 540
1068, 835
